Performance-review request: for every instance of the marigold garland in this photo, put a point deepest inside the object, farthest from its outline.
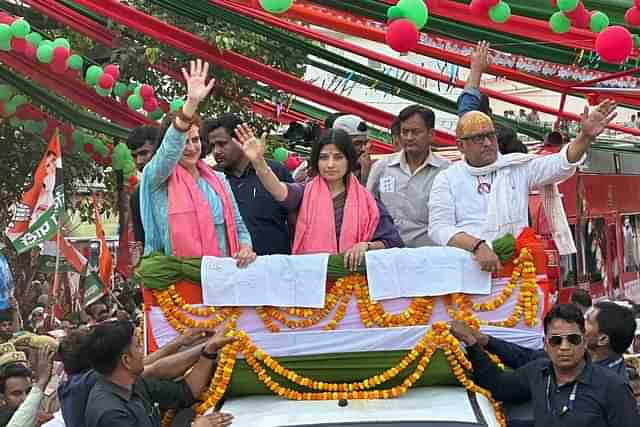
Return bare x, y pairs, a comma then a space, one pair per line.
259, 361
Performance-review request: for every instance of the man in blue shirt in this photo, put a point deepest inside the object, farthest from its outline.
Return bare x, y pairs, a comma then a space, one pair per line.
267, 220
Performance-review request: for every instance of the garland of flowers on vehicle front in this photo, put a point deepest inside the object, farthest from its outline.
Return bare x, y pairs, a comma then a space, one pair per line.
267, 369
372, 314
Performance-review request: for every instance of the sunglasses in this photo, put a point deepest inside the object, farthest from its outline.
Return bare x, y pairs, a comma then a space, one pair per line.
556, 340
480, 138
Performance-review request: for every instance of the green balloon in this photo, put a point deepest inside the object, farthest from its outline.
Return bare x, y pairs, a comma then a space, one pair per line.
636, 40
157, 114
19, 100
20, 28
34, 38
75, 62
176, 104
5, 33
559, 23
136, 90
29, 126
568, 5
500, 13
395, 12
61, 42
599, 21
45, 53
77, 137
99, 147
6, 92
103, 92
276, 6
414, 10
6, 46
120, 89
92, 75
46, 42
135, 102
40, 126
280, 154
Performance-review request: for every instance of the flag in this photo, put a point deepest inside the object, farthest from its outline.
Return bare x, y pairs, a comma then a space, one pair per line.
37, 214
92, 286
70, 258
105, 263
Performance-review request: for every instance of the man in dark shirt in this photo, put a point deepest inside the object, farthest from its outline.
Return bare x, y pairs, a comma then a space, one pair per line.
142, 141
121, 397
266, 219
566, 389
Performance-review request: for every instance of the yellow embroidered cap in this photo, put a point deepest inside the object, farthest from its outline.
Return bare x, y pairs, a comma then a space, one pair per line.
472, 123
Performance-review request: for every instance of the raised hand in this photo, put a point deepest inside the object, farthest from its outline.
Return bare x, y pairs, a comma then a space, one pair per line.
43, 365
595, 122
218, 341
215, 419
196, 80
480, 58
253, 147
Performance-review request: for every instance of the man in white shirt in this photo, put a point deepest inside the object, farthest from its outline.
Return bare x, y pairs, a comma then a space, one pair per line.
485, 195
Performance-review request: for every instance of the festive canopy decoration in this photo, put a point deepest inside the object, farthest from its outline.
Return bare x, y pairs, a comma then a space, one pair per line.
402, 35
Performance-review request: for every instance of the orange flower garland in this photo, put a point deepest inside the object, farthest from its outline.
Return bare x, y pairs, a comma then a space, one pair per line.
437, 337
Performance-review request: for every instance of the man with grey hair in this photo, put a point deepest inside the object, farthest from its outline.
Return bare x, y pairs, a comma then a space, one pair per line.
359, 133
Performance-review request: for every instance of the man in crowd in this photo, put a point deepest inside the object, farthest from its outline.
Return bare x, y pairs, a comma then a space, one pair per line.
581, 299
142, 141
98, 312
403, 180
485, 196
567, 388
266, 219
121, 396
358, 131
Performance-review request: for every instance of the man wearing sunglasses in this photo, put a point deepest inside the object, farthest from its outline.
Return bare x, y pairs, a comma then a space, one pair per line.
566, 388
485, 195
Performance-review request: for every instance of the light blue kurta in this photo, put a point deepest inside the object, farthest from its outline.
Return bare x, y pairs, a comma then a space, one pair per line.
154, 200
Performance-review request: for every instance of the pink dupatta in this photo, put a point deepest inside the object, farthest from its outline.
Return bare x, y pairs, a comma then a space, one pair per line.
316, 226
191, 227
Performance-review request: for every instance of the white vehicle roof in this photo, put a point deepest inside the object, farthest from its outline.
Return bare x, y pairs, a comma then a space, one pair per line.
437, 406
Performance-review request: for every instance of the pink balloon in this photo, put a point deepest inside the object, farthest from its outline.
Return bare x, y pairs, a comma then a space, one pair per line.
6, 19
113, 70
402, 35
30, 51
637, 3
59, 66
146, 91
632, 17
150, 104
18, 45
61, 53
614, 44
106, 81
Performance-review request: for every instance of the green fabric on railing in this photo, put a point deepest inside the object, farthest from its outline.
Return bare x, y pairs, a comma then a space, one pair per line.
60, 107
340, 368
158, 271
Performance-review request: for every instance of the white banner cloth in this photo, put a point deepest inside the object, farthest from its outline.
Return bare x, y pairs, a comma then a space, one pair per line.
277, 280
428, 271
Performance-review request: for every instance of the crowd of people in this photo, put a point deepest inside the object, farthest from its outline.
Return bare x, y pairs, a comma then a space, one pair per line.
343, 202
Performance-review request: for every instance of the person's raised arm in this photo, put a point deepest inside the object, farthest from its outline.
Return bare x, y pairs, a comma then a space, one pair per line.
188, 338
469, 99
592, 125
254, 150
169, 153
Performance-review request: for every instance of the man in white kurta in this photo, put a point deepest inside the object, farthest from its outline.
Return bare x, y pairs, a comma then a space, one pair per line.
485, 195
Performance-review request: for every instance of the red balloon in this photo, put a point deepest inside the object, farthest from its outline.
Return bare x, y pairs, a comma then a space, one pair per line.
106, 81
150, 105
614, 44
113, 70
30, 51
553, 3
579, 10
61, 53
582, 19
402, 35
638, 3
18, 45
88, 148
632, 17
23, 112
481, 7
6, 19
59, 66
146, 91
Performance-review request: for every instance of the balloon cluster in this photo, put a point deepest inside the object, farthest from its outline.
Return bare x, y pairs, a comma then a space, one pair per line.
122, 160
406, 19
497, 10
287, 158
93, 147
574, 13
276, 6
